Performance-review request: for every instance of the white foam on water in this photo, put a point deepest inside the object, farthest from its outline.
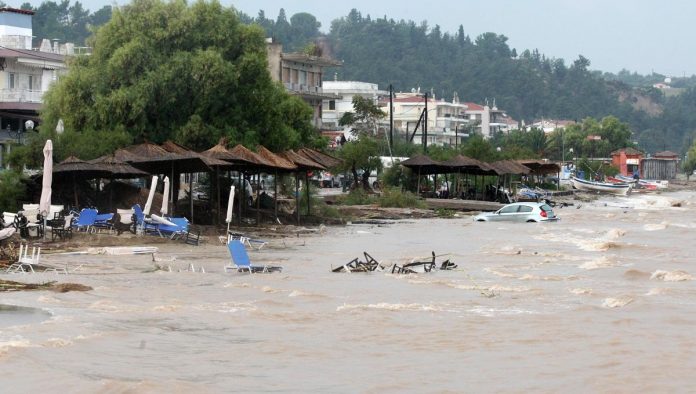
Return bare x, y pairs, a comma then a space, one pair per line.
18, 342
601, 262
57, 342
166, 308
300, 293
654, 226
491, 312
671, 276
389, 307
580, 291
617, 302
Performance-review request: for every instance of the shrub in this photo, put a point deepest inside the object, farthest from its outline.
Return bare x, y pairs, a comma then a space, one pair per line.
395, 198
12, 189
356, 197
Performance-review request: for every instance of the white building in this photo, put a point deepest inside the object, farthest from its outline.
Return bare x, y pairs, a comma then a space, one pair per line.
446, 120
25, 75
333, 109
489, 120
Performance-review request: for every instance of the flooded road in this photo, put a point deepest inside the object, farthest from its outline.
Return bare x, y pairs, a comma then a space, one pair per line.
603, 300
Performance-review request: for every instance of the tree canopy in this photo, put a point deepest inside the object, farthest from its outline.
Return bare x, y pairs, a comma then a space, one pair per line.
162, 70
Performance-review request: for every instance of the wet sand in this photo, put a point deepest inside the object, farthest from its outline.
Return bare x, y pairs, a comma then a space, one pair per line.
602, 300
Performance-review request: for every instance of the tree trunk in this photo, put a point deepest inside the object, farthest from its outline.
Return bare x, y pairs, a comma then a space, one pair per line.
355, 177
366, 181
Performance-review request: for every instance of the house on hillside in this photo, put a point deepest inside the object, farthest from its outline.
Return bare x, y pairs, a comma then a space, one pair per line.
488, 120
446, 120
302, 75
342, 102
627, 160
25, 75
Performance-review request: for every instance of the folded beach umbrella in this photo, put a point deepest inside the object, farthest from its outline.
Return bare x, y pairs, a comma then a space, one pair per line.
45, 200
151, 196
230, 207
165, 197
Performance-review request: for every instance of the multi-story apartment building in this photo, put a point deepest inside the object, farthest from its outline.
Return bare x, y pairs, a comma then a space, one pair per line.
302, 75
487, 120
25, 75
344, 91
446, 121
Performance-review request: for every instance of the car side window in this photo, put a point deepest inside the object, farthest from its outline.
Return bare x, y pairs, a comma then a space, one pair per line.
525, 209
509, 209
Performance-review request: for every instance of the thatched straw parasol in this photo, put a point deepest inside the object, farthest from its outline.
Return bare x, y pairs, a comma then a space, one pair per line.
117, 169
300, 161
277, 161
325, 160
72, 168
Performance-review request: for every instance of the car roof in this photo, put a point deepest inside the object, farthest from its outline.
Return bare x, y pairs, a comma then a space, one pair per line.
528, 203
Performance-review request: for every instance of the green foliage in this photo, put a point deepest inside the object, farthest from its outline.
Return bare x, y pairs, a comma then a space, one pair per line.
393, 197
364, 117
614, 135
445, 213
357, 197
690, 163
165, 70
394, 176
594, 168
12, 189
295, 34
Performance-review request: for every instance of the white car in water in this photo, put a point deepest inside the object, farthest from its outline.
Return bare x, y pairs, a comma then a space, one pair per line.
519, 212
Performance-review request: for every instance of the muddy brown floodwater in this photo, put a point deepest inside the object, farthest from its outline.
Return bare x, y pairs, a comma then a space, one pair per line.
603, 300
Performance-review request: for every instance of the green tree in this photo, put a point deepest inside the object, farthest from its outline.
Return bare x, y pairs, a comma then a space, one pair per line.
690, 163
165, 70
365, 116
361, 154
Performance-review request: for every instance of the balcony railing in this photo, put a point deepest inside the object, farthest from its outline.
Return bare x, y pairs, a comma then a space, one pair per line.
20, 96
296, 87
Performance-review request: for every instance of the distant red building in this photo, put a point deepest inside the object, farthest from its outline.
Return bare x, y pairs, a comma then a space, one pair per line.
627, 160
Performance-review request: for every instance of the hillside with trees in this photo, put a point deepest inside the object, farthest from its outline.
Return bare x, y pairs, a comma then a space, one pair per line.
527, 84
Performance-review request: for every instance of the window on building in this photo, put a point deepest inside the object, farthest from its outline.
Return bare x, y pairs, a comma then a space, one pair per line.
332, 104
31, 82
11, 81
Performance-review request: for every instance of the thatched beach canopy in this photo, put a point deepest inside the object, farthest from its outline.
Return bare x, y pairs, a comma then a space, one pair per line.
508, 167
424, 165
183, 152
117, 169
467, 165
300, 161
75, 167
325, 160
540, 167
248, 158
278, 162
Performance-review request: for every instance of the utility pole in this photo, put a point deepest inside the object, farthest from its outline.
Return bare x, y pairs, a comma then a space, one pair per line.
425, 125
391, 118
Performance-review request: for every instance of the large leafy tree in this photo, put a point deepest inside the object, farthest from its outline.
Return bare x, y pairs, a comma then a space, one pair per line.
362, 153
162, 70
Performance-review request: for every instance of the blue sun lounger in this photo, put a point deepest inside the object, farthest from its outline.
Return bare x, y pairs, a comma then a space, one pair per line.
240, 260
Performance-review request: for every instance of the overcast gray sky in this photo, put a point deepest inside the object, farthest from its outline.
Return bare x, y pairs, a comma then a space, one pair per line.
638, 35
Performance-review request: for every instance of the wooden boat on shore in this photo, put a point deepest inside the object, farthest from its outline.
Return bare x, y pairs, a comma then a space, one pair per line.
620, 189
647, 183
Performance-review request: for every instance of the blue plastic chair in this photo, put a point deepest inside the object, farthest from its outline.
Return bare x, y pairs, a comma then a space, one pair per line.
181, 228
142, 222
241, 262
86, 219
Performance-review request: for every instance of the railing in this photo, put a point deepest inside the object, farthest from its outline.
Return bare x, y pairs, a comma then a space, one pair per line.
296, 87
20, 96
